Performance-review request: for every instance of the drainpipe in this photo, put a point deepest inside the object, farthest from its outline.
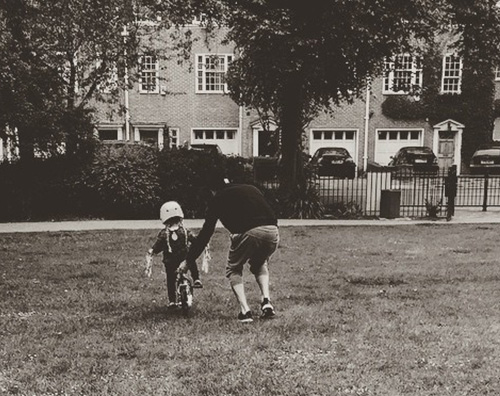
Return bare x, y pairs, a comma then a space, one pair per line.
125, 77
367, 120
240, 130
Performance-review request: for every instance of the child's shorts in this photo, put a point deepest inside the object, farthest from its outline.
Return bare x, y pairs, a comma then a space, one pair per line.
254, 246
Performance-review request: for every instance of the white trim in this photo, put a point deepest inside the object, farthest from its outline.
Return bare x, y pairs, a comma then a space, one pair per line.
456, 127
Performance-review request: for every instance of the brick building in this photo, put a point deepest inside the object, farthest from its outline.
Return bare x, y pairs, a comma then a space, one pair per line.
185, 104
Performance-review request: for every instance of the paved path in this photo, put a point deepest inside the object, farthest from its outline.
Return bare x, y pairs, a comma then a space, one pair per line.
462, 216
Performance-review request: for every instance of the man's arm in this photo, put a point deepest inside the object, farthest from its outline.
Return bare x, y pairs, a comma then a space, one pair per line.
203, 238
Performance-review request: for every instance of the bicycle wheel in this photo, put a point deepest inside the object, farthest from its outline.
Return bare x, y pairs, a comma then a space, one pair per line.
185, 294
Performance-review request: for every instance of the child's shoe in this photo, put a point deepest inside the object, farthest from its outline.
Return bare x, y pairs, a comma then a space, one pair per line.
197, 284
267, 309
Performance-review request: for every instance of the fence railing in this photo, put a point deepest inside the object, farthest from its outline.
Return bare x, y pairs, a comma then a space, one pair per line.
478, 191
420, 194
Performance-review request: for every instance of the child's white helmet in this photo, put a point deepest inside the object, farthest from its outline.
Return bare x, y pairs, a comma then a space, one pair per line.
170, 209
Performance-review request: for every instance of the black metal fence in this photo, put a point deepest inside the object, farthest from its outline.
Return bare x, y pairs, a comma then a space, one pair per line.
418, 195
414, 195
478, 191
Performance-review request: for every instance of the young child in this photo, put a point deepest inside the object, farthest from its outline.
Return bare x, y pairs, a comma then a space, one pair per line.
174, 241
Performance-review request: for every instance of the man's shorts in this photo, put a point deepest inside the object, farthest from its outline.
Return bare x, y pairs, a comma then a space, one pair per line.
254, 246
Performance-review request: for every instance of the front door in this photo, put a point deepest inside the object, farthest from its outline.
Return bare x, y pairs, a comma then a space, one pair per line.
446, 149
268, 145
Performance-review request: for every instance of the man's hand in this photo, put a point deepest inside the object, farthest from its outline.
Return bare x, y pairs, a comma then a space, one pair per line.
148, 270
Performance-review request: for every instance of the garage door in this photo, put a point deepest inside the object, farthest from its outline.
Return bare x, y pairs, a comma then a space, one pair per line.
345, 138
391, 140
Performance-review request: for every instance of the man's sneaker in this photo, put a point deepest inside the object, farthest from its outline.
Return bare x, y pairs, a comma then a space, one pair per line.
245, 317
172, 305
197, 284
267, 309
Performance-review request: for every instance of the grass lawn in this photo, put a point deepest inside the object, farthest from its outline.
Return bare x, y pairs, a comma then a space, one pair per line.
402, 310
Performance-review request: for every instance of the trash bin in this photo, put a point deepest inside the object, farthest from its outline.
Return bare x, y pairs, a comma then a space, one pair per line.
390, 204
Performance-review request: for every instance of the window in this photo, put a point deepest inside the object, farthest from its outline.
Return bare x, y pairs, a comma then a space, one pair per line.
199, 19
405, 136
214, 134
402, 75
451, 82
149, 74
332, 135
108, 134
210, 73
173, 135
224, 139
497, 74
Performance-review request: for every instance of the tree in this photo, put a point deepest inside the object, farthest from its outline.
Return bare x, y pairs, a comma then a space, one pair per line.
57, 58
299, 58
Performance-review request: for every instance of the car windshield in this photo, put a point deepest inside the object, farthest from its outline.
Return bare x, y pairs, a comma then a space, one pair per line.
490, 152
333, 151
418, 150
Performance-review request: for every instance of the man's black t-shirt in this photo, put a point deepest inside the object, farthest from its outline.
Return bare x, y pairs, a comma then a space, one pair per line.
239, 207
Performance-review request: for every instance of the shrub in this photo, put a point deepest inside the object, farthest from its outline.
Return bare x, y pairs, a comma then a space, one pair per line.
403, 107
300, 203
41, 189
433, 208
125, 180
345, 210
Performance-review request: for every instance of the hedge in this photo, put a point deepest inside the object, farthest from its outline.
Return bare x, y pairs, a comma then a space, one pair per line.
120, 181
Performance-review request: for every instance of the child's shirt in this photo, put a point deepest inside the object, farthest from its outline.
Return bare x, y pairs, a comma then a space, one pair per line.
173, 244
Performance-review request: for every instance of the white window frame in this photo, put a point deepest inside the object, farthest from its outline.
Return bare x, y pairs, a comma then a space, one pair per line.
203, 84
413, 71
150, 68
497, 73
215, 133
451, 78
199, 20
173, 137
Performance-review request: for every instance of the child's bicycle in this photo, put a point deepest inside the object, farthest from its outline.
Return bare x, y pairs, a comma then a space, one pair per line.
184, 290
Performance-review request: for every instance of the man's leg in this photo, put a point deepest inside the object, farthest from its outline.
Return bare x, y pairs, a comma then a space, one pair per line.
236, 282
262, 278
237, 257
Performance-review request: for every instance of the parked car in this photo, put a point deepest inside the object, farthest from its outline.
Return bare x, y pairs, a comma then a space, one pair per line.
208, 148
334, 161
486, 159
414, 160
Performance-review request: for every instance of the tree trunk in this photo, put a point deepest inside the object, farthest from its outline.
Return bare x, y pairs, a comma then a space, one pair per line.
291, 168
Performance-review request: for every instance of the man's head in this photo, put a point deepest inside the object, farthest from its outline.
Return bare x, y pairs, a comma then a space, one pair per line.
216, 180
